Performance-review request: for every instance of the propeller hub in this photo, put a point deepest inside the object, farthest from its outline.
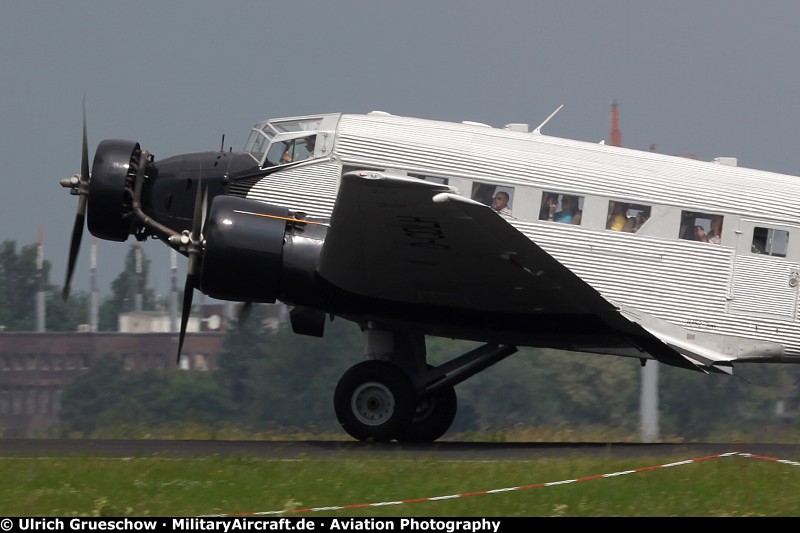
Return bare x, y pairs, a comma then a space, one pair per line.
72, 182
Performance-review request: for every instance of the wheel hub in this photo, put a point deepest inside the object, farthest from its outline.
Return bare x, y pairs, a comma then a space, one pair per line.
372, 403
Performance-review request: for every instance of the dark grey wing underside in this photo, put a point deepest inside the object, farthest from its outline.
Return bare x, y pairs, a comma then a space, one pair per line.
411, 241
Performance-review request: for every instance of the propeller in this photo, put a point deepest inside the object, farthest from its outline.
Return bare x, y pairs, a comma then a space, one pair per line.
80, 187
194, 244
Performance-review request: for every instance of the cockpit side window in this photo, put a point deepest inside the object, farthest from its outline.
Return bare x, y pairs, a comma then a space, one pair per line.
257, 144
289, 151
283, 140
280, 153
304, 148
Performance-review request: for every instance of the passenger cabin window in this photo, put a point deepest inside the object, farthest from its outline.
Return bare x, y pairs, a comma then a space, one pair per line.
624, 216
768, 241
498, 197
432, 179
702, 227
564, 208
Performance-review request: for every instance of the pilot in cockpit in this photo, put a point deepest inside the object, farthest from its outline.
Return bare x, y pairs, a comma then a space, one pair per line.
298, 150
286, 157
310, 144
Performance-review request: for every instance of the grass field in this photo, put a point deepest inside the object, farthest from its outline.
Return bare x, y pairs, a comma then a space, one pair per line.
148, 486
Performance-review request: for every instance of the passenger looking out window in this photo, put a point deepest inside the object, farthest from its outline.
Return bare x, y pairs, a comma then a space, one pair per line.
702, 227
623, 216
715, 230
499, 197
500, 203
564, 208
618, 218
549, 207
570, 212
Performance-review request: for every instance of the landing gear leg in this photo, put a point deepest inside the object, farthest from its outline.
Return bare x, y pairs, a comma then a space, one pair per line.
395, 394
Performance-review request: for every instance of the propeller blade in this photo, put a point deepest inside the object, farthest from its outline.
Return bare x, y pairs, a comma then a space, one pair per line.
203, 216
188, 291
195, 240
80, 216
77, 233
197, 221
84, 150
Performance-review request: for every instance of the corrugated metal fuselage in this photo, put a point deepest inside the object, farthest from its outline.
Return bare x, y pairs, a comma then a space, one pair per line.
721, 289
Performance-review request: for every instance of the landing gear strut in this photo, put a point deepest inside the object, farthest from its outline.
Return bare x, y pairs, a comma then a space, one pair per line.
396, 395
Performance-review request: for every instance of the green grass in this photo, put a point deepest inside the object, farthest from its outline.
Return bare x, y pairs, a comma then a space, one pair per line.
148, 486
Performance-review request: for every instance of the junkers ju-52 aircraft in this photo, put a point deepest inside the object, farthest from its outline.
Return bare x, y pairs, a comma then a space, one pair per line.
509, 237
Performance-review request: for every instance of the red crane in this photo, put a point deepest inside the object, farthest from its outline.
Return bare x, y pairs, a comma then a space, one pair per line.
616, 134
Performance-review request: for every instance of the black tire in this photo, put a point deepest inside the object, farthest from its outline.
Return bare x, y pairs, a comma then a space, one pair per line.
374, 400
433, 417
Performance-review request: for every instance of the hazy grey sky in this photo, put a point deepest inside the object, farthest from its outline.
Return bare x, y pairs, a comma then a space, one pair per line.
709, 77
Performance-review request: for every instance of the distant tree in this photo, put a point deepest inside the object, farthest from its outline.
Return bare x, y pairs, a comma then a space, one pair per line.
19, 285
549, 388
66, 315
304, 372
243, 349
107, 397
700, 406
124, 290
282, 379
91, 395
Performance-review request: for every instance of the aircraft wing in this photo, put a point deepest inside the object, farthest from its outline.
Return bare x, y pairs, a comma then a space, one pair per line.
411, 241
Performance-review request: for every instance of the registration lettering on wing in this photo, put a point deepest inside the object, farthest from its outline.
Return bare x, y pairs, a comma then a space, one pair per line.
423, 232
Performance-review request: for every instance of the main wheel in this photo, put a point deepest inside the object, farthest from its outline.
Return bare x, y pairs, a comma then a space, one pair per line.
374, 400
433, 417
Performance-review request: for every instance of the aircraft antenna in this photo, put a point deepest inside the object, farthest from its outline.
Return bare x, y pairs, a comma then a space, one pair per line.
538, 130
222, 144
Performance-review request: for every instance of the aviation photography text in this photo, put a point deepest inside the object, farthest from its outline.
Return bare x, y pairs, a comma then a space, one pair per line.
226, 525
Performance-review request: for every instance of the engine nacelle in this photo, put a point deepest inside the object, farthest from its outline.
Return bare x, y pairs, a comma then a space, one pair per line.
243, 257
109, 205
258, 252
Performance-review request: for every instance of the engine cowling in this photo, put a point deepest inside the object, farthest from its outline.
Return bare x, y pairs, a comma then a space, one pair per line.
243, 255
258, 252
109, 204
